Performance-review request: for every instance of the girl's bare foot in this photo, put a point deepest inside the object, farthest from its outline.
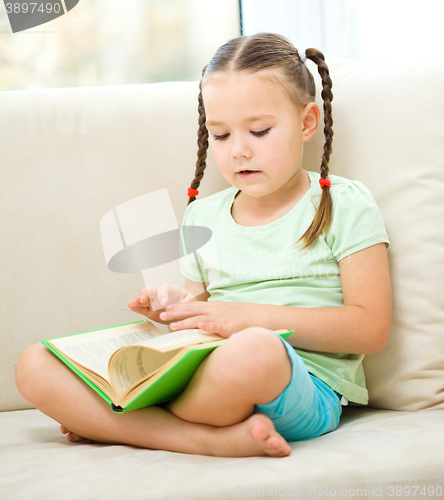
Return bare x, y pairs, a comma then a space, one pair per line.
263, 431
255, 436
74, 438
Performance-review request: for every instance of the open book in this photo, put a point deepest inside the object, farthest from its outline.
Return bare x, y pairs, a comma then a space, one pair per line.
136, 365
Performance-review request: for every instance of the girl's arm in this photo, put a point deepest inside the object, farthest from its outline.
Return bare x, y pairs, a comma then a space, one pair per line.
361, 326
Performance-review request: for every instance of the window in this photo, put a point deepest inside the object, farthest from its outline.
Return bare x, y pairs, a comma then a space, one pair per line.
109, 42
376, 30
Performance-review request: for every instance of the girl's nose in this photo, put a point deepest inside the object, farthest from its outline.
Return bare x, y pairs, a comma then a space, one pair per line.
240, 149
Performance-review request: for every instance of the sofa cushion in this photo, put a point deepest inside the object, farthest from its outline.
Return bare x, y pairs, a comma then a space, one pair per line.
71, 155
388, 130
355, 460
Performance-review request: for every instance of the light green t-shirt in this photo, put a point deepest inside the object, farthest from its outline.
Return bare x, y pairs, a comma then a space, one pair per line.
262, 265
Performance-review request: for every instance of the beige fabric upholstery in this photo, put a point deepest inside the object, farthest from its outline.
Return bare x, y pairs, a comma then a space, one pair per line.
71, 155
388, 134
68, 157
39, 464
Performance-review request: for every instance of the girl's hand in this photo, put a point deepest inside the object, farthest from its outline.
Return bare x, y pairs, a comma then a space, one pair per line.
222, 318
152, 300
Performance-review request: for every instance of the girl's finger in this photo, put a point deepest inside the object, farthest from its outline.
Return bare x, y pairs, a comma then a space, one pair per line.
163, 294
144, 299
181, 313
184, 325
213, 327
149, 291
208, 327
135, 304
189, 323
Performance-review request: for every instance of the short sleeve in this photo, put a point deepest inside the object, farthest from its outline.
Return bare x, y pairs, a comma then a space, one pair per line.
190, 263
357, 222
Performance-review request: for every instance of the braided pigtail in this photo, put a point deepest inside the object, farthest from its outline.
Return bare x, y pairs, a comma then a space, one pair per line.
202, 143
323, 215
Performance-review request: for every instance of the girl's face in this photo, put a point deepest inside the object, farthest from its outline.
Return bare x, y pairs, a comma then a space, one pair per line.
254, 126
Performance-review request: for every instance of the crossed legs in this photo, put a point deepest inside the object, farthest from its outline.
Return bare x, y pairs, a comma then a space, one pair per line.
213, 416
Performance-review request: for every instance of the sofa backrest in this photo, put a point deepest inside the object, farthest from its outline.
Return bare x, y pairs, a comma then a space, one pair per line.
68, 156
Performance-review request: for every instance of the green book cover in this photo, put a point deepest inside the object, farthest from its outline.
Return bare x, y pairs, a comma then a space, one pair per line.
74, 369
164, 385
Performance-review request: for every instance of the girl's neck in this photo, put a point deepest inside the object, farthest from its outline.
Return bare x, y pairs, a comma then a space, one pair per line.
249, 211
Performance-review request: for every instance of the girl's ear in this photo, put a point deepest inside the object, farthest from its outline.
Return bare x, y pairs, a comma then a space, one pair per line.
310, 121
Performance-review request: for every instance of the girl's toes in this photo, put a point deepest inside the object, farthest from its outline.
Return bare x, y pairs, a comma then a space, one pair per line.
75, 438
72, 437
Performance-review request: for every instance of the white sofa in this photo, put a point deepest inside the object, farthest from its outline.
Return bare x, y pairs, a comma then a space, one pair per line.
70, 155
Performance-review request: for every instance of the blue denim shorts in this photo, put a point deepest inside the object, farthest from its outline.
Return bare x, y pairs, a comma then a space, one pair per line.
307, 408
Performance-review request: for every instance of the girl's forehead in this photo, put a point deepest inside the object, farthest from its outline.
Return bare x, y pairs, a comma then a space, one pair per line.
245, 88
265, 78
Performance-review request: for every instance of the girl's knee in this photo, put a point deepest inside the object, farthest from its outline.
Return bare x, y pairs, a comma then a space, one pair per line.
259, 343
30, 364
254, 352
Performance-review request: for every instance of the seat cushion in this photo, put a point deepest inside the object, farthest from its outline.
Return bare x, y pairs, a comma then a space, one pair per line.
370, 449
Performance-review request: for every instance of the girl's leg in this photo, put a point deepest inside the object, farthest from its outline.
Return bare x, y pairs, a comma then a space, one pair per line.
251, 368
55, 390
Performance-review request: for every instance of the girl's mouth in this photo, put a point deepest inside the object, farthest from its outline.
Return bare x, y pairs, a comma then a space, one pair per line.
248, 174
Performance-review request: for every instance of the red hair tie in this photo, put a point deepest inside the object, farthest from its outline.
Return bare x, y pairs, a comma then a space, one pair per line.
324, 182
192, 192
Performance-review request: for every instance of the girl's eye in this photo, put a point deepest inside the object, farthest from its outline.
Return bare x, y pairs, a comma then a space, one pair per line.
220, 137
261, 132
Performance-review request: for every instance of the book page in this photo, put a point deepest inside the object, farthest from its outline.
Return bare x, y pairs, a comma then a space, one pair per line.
135, 363
178, 339
142, 385
94, 349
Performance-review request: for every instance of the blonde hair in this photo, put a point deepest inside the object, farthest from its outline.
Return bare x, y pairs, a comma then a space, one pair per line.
271, 51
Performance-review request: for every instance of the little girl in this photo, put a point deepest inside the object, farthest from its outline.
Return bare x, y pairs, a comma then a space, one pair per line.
291, 250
